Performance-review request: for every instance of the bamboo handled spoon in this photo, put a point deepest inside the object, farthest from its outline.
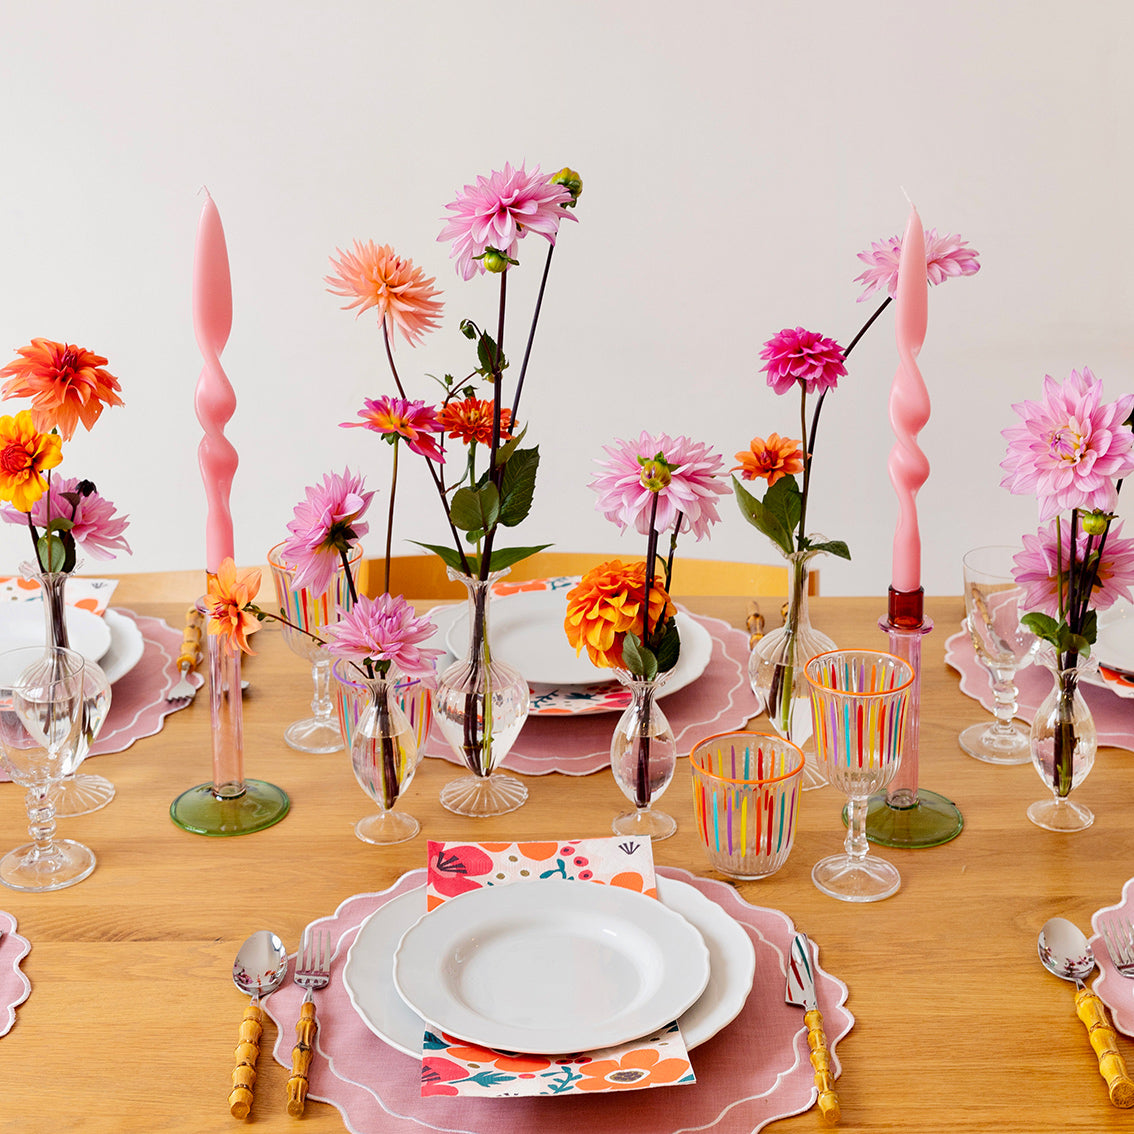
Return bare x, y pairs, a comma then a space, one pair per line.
259, 968
1064, 951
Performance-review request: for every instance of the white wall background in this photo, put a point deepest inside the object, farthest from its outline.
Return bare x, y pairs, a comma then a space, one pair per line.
736, 156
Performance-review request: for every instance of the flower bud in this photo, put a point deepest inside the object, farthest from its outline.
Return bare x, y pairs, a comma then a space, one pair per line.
654, 475
493, 260
570, 181
1094, 523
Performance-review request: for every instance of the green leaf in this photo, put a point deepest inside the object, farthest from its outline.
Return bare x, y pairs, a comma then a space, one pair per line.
1090, 629
506, 450
669, 647
762, 518
785, 502
505, 556
637, 659
489, 356
1042, 626
50, 552
518, 486
832, 546
474, 509
450, 557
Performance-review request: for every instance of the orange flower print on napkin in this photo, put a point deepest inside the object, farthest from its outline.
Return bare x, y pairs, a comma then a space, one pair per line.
643, 1067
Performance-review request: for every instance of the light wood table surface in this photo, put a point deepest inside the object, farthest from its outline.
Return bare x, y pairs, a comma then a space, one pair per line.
133, 1016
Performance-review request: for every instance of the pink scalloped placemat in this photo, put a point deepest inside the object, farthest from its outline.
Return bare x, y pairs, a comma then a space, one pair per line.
138, 706
1114, 990
14, 986
1114, 715
721, 699
752, 1072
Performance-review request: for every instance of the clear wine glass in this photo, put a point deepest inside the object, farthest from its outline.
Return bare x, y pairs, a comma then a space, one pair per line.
858, 702
41, 708
1002, 645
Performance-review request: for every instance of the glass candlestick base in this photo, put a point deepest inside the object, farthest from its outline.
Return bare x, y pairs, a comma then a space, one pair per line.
202, 812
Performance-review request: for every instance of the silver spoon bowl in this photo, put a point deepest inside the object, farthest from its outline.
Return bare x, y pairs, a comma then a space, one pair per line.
1064, 951
259, 969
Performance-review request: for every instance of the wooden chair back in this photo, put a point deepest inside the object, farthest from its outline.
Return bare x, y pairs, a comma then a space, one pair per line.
424, 576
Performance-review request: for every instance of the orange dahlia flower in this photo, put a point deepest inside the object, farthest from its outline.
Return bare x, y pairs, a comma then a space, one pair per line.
605, 604
471, 420
378, 277
230, 593
67, 384
25, 454
772, 459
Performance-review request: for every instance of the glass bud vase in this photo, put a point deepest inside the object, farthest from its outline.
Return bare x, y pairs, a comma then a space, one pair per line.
1063, 742
384, 755
643, 755
77, 793
776, 668
480, 706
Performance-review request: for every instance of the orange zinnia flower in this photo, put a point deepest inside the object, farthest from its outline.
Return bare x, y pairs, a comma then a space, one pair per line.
229, 594
772, 459
641, 1067
605, 604
25, 454
471, 420
66, 384
378, 277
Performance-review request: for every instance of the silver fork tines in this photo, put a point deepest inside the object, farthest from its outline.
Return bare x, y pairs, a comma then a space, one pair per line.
1118, 936
313, 965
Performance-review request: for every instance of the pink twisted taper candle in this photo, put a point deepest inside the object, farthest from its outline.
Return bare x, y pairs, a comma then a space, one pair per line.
215, 400
909, 404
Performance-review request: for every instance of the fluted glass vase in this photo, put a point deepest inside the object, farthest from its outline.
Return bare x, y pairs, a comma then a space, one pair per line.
78, 793
1063, 742
480, 706
776, 668
384, 755
643, 755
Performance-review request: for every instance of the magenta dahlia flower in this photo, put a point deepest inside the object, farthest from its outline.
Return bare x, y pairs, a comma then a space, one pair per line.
413, 422
796, 355
1038, 567
500, 209
325, 524
97, 526
684, 477
944, 256
385, 630
1071, 448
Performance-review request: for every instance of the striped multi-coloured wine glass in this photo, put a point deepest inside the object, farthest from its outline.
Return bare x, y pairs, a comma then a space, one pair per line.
859, 700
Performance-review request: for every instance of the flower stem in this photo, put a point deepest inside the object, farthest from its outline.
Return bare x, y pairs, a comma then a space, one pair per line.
344, 555
651, 560
867, 325
531, 334
390, 516
495, 475
390, 359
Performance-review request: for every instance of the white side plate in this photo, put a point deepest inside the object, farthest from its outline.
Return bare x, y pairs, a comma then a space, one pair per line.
21, 624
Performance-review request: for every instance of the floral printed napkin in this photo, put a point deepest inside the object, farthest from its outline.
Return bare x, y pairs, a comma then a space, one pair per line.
453, 1067
88, 594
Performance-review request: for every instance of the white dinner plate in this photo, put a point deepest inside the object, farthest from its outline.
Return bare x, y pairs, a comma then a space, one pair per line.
126, 645
22, 624
1114, 646
368, 975
597, 694
550, 966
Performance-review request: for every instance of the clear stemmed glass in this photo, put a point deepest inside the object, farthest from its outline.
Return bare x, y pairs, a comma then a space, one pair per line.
858, 702
1002, 645
41, 708
311, 612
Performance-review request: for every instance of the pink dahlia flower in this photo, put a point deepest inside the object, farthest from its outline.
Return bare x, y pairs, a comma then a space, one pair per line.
97, 527
944, 256
683, 475
385, 629
325, 524
797, 355
1071, 448
1037, 568
414, 422
498, 210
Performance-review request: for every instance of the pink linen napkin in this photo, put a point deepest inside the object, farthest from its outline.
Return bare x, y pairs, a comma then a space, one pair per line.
1114, 715
721, 699
14, 986
751, 1073
454, 1067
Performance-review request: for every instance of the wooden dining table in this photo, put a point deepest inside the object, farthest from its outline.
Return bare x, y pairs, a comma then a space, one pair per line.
132, 1017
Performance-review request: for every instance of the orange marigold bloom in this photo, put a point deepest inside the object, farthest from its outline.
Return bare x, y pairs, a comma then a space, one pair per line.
229, 593
641, 1067
379, 277
25, 454
67, 384
471, 420
772, 459
606, 603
